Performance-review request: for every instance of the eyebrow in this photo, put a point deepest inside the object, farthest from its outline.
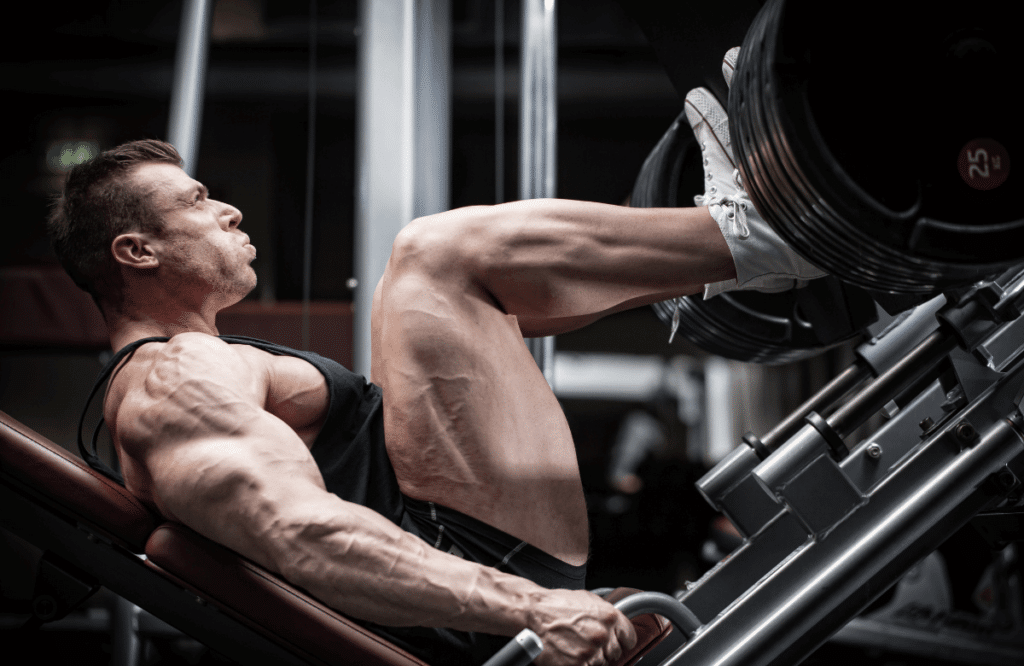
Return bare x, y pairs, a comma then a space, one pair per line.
198, 187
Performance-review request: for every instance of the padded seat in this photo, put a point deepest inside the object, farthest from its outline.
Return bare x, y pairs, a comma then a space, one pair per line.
65, 481
53, 498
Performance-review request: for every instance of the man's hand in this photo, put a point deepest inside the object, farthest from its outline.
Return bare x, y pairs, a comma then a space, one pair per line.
579, 628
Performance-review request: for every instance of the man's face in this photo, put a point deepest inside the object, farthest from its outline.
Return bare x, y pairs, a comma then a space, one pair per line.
201, 249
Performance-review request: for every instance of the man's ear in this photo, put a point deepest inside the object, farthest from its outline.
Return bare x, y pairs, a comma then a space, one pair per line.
134, 250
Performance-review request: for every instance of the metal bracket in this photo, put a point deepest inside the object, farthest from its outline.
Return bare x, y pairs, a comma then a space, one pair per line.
821, 495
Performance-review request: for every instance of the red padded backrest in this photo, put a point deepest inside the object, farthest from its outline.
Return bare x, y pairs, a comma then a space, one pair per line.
265, 601
65, 480
242, 589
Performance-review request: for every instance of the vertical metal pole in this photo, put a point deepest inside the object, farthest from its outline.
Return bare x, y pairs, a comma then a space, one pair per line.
719, 410
403, 121
185, 121
382, 131
538, 127
431, 103
126, 648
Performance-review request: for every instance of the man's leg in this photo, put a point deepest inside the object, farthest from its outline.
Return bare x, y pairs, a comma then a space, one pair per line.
471, 423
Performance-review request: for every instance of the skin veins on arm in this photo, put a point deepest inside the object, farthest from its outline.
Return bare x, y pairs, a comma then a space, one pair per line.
219, 463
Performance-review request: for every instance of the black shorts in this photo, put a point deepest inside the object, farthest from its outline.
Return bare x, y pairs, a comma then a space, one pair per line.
456, 533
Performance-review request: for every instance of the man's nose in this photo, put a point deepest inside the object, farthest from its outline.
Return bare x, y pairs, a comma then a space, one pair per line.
233, 214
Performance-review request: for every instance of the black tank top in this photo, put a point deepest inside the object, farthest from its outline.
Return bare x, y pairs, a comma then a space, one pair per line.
349, 450
353, 460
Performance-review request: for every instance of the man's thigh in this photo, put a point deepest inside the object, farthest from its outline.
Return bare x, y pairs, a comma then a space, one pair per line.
470, 421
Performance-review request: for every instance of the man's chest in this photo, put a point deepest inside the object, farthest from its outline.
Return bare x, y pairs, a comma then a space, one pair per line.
296, 392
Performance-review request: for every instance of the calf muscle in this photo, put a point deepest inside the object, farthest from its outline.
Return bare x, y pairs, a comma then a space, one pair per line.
558, 265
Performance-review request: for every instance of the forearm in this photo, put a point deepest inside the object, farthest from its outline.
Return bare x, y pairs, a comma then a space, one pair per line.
362, 564
372, 570
346, 555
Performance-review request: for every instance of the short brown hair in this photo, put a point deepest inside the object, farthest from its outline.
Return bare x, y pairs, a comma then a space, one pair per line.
99, 202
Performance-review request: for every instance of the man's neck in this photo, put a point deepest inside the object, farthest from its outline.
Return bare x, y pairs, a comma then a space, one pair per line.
156, 310
125, 328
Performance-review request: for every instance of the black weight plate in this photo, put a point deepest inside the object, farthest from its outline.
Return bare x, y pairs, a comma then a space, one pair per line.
747, 326
882, 147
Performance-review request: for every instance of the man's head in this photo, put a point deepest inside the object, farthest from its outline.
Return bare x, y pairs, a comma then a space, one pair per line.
101, 201
131, 212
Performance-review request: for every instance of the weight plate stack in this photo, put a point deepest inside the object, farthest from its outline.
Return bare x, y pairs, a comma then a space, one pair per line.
747, 326
877, 138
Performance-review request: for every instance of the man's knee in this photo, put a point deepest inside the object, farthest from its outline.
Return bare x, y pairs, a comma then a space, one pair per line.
443, 245
427, 258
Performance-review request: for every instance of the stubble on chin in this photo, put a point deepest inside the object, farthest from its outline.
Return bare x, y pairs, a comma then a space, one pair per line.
237, 286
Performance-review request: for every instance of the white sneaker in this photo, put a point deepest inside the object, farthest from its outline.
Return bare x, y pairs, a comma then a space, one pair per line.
729, 64
763, 260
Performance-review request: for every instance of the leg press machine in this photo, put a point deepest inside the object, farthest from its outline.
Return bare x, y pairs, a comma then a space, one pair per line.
828, 526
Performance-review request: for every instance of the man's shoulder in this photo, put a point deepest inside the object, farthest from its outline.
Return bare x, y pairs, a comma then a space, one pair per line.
158, 369
195, 350
160, 348
194, 343
190, 386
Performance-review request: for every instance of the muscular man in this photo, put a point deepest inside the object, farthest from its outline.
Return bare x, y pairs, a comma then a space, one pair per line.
467, 522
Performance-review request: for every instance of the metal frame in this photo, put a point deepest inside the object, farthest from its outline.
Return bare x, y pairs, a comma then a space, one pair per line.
828, 529
184, 124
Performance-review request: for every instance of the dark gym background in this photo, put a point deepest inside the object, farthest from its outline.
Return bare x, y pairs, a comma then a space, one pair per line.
100, 72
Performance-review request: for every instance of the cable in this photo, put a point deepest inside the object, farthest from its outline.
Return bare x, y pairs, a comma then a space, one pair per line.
499, 101
307, 252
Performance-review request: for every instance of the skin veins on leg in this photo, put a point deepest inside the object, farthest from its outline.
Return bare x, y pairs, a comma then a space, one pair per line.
471, 422
559, 265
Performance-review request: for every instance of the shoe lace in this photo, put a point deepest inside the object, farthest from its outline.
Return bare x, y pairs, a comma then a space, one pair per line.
736, 205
